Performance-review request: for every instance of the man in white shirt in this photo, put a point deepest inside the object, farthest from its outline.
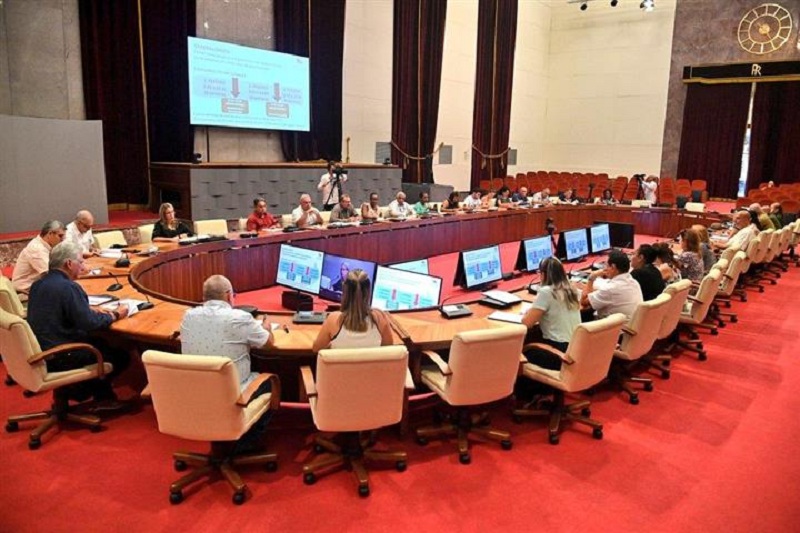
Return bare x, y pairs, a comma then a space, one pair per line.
473, 201
744, 232
79, 231
305, 214
329, 187
620, 294
541, 197
399, 208
34, 259
649, 187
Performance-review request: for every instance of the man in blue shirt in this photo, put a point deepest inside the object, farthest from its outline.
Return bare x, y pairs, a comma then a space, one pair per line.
59, 313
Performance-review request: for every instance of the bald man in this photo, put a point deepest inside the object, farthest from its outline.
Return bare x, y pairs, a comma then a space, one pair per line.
79, 231
744, 232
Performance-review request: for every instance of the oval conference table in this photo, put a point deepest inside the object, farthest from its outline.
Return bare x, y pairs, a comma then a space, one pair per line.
173, 278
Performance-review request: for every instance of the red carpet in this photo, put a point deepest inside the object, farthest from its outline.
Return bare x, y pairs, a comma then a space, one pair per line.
712, 449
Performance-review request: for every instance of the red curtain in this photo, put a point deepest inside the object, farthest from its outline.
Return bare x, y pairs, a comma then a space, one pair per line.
775, 136
112, 81
416, 82
318, 35
497, 34
712, 139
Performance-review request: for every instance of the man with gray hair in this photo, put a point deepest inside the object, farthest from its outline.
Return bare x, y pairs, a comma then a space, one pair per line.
59, 313
763, 218
216, 328
32, 261
305, 214
79, 231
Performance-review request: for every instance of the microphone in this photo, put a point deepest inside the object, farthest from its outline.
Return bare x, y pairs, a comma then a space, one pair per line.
116, 285
145, 305
123, 261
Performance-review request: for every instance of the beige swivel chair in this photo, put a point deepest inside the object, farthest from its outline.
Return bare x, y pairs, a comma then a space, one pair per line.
585, 364
10, 303
695, 316
217, 226
754, 274
727, 287
25, 362
667, 337
482, 368
356, 391
220, 414
728, 253
107, 239
146, 233
638, 337
286, 220
326, 216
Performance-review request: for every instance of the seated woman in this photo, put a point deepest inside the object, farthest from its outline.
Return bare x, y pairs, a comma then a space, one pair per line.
568, 197
451, 204
689, 261
556, 310
168, 228
607, 198
705, 247
503, 198
371, 210
356, 325
665, 262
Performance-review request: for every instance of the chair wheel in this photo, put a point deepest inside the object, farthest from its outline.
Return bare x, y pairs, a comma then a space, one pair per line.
464, 458
667, 362
422, 441
734, 319
175, 497
363, 491
34, 444
10, 381
506, 444
699, 345
702, 356
28, 393
586, 412
694, 335
648, 387
597, 433
760, 288
665, 374
553, 439
271, 466
11, 427
634, 400
179, 466
309, 479
238, 498
721, 324
95, 429
714, 331
400, 466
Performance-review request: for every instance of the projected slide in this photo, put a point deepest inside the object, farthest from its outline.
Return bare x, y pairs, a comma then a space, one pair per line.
601, 240
536, 251
300, 269
482, 266
241, 87
399, 290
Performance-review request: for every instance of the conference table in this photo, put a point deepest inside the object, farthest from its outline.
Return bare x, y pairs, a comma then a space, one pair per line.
172, 279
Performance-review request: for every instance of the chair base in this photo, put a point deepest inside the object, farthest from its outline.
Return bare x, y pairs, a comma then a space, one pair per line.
220, 460
559, 414
464, 425
622, 377
350, 454
56, 416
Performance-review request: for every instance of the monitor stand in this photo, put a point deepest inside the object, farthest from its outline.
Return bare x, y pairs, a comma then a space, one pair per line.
483, 286
297, 301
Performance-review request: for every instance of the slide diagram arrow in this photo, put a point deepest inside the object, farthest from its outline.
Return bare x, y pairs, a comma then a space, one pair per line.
235, 87
277, 95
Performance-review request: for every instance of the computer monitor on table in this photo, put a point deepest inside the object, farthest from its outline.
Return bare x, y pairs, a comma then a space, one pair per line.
572, 244
299, 269
334, 272
419, 266
532, 252
621, 234
599, 238
478, 268
401, 290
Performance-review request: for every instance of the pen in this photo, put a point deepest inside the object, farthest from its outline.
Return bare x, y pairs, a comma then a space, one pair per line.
286, 328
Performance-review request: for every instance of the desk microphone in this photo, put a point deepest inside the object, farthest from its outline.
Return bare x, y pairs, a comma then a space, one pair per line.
116, 285
146, 305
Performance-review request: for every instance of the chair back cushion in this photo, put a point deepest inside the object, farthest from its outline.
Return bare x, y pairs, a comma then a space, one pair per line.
485, 364
17, 345
679, 291
9, 300
359, 389
107, 239
646, 323
195, 396
211, 227
705, 295
728, 282
146, 233
591, 348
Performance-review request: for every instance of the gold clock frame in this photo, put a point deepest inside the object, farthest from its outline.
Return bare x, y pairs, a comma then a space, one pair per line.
748, 29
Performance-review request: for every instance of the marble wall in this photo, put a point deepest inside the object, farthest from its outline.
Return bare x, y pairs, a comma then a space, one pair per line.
40, 59
706, 33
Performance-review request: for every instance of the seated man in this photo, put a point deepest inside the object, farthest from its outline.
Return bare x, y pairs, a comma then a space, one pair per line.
743, 232
421, 207
776, 215
619, 294
259, 219
646, 273
521, 196
371, 210
32, 261
305, 214
79, 231
399, 208
763, 218
542, 197
343, 211
217, 328
473, 201
59, 313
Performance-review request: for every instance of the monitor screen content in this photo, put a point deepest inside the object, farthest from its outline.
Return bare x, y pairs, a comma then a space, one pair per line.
537, 250
621, 235
400, 290
334, 271
576, 243
601, 240
420, 266
299, 268
482, 266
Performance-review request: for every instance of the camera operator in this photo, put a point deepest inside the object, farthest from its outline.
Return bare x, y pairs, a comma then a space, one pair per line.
649, 187
330, 185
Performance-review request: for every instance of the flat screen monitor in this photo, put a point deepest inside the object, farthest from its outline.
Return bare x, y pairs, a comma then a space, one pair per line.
600, 238
478, 267
420, 266
401, 290
621, 234
334, 271
532, 252
299, 268
573, 244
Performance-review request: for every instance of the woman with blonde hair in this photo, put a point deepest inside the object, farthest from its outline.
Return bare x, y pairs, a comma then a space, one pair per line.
168, 228
705, 247
356, 325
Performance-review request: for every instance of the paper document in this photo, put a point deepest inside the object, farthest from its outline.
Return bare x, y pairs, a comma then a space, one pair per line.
502, 296
110, 253
133, 305
100, 299
514, 318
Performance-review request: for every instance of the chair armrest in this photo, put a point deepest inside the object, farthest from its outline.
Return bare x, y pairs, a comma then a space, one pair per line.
70, 347
546, 347
726, 276
628, 330
693, 299
409, 380
307, 378
444, 368
275, 398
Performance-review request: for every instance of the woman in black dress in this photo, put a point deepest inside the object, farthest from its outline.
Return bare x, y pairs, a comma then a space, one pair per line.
168, 228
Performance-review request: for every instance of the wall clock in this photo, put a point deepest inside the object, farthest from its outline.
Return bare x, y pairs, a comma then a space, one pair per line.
765, 28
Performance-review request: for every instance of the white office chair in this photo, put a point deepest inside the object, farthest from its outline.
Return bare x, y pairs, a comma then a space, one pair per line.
217, 226
107, 239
